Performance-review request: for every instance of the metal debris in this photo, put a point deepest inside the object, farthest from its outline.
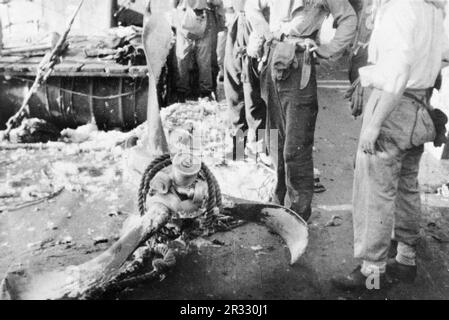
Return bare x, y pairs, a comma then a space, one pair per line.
335, 221
66, 240
100, 240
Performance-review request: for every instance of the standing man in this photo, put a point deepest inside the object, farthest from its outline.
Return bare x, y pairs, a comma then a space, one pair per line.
196, 42
289, 86
406, 53
223, 37
218, 26
247, 109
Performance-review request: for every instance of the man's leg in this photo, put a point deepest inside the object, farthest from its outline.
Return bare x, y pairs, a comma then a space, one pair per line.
408, 203
276, 145
255, 108
275, 126
204, 61
172, 76
221, 53
233, 86
301, 111
298, 155
407, 217
375, 190
213, 30
184, 55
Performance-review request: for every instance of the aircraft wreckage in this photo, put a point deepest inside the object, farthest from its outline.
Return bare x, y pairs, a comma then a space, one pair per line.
178, 197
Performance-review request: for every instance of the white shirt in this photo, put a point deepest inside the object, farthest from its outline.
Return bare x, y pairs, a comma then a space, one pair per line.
408, 35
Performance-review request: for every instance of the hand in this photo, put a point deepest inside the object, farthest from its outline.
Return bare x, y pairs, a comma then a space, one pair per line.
321, 51
356, 97
311, 45
255, 46
369, 138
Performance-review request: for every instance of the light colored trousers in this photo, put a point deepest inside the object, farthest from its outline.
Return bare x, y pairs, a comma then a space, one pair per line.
386, 191
189, 52
221, 47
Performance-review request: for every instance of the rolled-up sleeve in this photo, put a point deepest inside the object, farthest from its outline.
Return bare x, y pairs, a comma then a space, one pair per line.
346, 22
395, 50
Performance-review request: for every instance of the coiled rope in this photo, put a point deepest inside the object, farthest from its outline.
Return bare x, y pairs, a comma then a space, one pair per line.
214, 202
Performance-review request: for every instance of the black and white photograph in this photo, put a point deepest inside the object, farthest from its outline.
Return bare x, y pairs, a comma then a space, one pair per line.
232, 152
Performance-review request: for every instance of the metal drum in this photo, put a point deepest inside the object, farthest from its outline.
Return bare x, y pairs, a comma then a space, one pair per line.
68, 102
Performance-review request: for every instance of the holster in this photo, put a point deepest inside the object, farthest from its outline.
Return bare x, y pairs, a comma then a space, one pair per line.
437, 116
440, 121
285, 58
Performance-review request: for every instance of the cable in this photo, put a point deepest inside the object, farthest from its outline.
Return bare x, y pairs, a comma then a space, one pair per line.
126, 94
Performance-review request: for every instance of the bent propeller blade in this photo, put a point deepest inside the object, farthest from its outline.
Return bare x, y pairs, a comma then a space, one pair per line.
282, 221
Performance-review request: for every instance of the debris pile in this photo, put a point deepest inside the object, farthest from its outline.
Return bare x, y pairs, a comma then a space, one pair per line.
122, 45
34, 131
87, 159
33, 175
206, 122
88, 163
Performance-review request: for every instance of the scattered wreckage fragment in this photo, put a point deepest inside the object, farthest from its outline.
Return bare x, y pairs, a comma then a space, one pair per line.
179, 198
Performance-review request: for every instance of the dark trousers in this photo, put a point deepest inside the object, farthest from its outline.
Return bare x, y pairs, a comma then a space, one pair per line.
247, 110
293, 113
215, 68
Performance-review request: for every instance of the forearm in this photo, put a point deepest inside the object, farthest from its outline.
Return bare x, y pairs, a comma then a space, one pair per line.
390, 96
385, 106
346, 21
343, 38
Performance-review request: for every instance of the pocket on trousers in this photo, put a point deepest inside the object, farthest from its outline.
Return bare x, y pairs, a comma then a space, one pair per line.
398, 128
284, 61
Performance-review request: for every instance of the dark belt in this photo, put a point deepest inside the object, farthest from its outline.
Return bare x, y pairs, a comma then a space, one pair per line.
421, 96
299, 42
